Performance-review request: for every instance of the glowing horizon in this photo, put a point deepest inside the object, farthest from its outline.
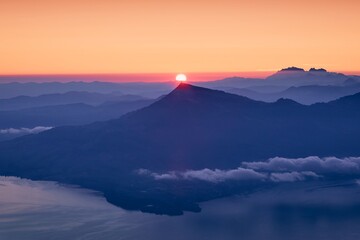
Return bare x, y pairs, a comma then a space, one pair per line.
128, 77
158, 36
133, 77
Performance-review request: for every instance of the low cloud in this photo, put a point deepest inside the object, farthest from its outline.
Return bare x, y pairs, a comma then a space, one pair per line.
207, 175
218, 175
34, 130
274, 169
327, 165
292, 176
157, 176
240, 174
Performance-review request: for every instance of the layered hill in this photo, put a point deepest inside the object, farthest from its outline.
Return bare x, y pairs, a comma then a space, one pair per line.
90, 98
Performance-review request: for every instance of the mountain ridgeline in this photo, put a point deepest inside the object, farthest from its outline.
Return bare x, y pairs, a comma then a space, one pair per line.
190, 128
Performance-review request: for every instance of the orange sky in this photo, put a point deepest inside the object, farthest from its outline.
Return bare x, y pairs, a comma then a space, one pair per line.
145, 36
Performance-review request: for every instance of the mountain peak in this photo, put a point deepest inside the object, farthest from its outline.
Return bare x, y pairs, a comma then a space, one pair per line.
188, 92
183, 85
317, 70
292, 69
183, 88
185, 94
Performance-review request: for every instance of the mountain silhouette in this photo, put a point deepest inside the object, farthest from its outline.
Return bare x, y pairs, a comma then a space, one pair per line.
190, 128
294, 76
304, 94
91, 98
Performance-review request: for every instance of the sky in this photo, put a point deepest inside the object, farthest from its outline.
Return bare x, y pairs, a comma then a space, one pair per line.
171, 36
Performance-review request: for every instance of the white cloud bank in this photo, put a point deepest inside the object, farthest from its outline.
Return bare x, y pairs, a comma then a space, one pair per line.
292, 176
274, 169
217, 175
315, 164
34, 130
207, 175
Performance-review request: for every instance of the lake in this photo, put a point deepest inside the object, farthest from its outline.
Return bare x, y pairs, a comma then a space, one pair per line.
47, 210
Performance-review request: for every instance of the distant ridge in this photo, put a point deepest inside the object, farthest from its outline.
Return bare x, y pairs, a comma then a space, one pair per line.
292, 69
317, 70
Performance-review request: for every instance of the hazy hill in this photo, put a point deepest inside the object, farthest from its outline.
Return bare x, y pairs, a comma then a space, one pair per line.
15, 123
304, 94
149, 90
90, 98
294, 76
285, 78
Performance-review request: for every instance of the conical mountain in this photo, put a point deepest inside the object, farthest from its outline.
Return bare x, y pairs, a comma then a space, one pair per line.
190, 128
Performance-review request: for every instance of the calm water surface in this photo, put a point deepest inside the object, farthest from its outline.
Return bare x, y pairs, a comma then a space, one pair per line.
46, 210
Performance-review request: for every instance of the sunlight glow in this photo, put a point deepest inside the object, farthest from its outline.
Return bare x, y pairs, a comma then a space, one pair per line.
181, 77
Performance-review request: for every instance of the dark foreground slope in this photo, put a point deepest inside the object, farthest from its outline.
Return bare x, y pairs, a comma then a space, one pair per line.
191, 128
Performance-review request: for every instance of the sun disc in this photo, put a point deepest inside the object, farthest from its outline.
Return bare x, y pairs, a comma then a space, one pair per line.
181, 77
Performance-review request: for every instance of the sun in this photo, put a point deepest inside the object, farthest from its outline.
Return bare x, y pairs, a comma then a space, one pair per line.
181, 77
